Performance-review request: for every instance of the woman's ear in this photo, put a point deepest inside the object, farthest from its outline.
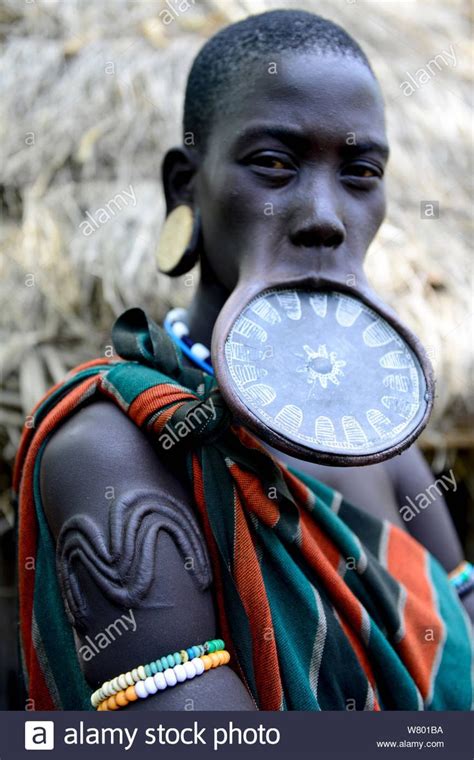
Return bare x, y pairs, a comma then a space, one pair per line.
177, 171
180, 240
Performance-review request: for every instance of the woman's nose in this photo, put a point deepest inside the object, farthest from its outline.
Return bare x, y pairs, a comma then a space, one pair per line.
317, 222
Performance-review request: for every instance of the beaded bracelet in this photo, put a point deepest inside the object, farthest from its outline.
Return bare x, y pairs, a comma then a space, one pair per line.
121, 682
462, 578
169, 677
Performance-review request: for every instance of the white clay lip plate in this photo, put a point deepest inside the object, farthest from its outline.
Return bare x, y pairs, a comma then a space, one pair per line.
326, 371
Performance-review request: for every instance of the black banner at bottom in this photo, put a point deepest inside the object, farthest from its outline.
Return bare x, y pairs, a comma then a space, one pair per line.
230, 735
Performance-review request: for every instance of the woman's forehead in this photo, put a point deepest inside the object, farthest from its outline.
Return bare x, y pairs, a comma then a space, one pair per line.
306, 93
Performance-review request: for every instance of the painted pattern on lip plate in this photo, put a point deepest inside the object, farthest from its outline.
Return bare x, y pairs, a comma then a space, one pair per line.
326, 371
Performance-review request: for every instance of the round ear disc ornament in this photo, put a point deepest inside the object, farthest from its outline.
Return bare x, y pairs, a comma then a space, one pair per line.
324, 377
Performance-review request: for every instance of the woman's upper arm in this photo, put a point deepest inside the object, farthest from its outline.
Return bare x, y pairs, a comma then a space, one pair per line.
131, 559
422, 505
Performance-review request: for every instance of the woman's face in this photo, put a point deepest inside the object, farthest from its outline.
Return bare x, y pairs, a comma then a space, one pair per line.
294, 170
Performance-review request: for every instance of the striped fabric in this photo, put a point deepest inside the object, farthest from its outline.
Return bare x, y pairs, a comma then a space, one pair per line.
321, 606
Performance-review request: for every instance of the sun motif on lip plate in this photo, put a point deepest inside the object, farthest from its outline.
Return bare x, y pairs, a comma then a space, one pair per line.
321, 365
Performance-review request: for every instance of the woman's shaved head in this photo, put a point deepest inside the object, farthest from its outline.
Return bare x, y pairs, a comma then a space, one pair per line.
218, 71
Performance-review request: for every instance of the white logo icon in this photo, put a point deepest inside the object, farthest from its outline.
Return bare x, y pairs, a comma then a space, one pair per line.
39, 734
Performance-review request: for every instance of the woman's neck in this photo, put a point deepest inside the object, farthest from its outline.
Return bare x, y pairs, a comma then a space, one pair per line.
204, 309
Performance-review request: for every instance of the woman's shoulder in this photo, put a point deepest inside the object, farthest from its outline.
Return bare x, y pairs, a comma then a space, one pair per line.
96, 455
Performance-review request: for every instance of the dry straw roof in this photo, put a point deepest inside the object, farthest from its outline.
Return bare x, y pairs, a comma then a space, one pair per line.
91, 97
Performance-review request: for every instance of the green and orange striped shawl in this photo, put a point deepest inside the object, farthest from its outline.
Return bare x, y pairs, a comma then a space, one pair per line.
322, 606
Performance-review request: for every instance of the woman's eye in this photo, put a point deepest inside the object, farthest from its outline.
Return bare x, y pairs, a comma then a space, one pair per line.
364, 171
271, 161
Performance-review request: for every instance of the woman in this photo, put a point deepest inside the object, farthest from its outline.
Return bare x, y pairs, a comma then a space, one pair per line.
207, 537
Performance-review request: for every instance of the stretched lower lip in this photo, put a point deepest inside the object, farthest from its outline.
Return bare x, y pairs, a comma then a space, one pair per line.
323, 373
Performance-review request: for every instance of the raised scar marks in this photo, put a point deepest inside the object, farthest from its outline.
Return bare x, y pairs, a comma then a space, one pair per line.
122, 563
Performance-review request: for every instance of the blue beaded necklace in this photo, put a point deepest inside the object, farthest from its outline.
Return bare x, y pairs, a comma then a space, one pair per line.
176, 327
